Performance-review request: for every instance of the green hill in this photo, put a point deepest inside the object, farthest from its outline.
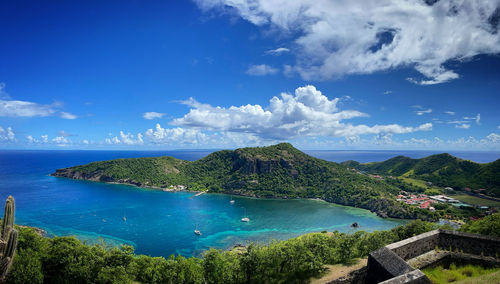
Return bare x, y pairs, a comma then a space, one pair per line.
279, 171
442, 170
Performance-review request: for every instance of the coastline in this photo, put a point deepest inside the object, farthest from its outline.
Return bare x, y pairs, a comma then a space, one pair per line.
235, 193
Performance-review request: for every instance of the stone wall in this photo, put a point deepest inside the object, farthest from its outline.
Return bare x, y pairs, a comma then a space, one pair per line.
415, 246
469, 243
388, 265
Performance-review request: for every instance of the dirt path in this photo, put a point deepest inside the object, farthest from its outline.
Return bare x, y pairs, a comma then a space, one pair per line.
338, 270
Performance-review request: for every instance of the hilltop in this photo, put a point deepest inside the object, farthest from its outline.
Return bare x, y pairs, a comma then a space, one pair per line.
442, 170
278, 171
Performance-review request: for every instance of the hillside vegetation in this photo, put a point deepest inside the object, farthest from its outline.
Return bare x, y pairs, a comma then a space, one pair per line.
279, 171
67, 260
442, 170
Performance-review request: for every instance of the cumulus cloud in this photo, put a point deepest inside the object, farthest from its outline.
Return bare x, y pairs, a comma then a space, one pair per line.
335, 38
60, 140
152, 115
305, 113
261, 70
7, 135
160, 135
450, 112
126, 139
387, 92
493, 138
278, 51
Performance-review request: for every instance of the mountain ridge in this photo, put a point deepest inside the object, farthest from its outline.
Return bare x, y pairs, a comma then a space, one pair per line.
441, 169
277, 171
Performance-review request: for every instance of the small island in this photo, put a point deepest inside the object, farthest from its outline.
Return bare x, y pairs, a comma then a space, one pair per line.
277, 171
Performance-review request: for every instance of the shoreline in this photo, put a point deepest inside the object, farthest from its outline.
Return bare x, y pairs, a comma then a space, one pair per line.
156, 188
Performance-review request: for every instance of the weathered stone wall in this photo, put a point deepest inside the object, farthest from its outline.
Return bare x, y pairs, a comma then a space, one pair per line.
385, 264
388, 264
415, 246
469, 243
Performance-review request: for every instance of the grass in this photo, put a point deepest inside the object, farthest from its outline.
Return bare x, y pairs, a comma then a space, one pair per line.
465, 273
473, 200
415, 182
487, 278
429, 190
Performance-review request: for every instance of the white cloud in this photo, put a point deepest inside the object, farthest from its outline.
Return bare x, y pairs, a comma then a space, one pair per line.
383, 138
476, 118
278, 51
306, 113
12, 108
7, 135
67, 115
493, 138
126, 139
85, 142
261, 70
387, 92
160, 135
462, 126
60, 140
152, 115
422, 112
335, 38
498, 127
16, 108
450, 112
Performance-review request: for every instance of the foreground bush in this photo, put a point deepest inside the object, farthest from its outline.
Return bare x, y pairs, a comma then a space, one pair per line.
67, 260
489, 225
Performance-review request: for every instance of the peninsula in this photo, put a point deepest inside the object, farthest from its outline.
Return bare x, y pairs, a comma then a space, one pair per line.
278, 171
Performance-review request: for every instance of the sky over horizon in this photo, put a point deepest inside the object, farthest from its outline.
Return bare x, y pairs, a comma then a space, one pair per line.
212, 74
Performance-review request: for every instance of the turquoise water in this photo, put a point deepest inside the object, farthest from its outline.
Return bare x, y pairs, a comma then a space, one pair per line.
155, 222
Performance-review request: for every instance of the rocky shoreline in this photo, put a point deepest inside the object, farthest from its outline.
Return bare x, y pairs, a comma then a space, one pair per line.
69, 173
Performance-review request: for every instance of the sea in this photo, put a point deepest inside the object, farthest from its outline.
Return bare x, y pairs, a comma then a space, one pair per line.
160, 223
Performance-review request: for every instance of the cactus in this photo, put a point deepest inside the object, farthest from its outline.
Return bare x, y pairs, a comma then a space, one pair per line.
10, 248
8, 217
8, 239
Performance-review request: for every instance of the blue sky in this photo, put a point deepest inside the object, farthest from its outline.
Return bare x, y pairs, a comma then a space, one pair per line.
225, 74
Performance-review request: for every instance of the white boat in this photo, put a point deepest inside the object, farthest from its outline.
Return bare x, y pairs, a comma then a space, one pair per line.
232, 201
197, 232
245, 219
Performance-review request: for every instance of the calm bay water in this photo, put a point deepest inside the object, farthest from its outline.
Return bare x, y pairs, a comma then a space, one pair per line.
159, 223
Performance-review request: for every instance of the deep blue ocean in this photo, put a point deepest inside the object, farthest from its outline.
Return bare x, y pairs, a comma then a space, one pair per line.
161, 223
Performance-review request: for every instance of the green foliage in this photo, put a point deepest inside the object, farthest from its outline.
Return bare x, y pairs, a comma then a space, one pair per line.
443, 170
67, 260
274, 171
442, 275
489, 225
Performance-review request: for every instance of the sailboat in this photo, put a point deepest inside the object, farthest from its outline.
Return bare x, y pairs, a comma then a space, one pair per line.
245, 219
232, 200
196, 231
